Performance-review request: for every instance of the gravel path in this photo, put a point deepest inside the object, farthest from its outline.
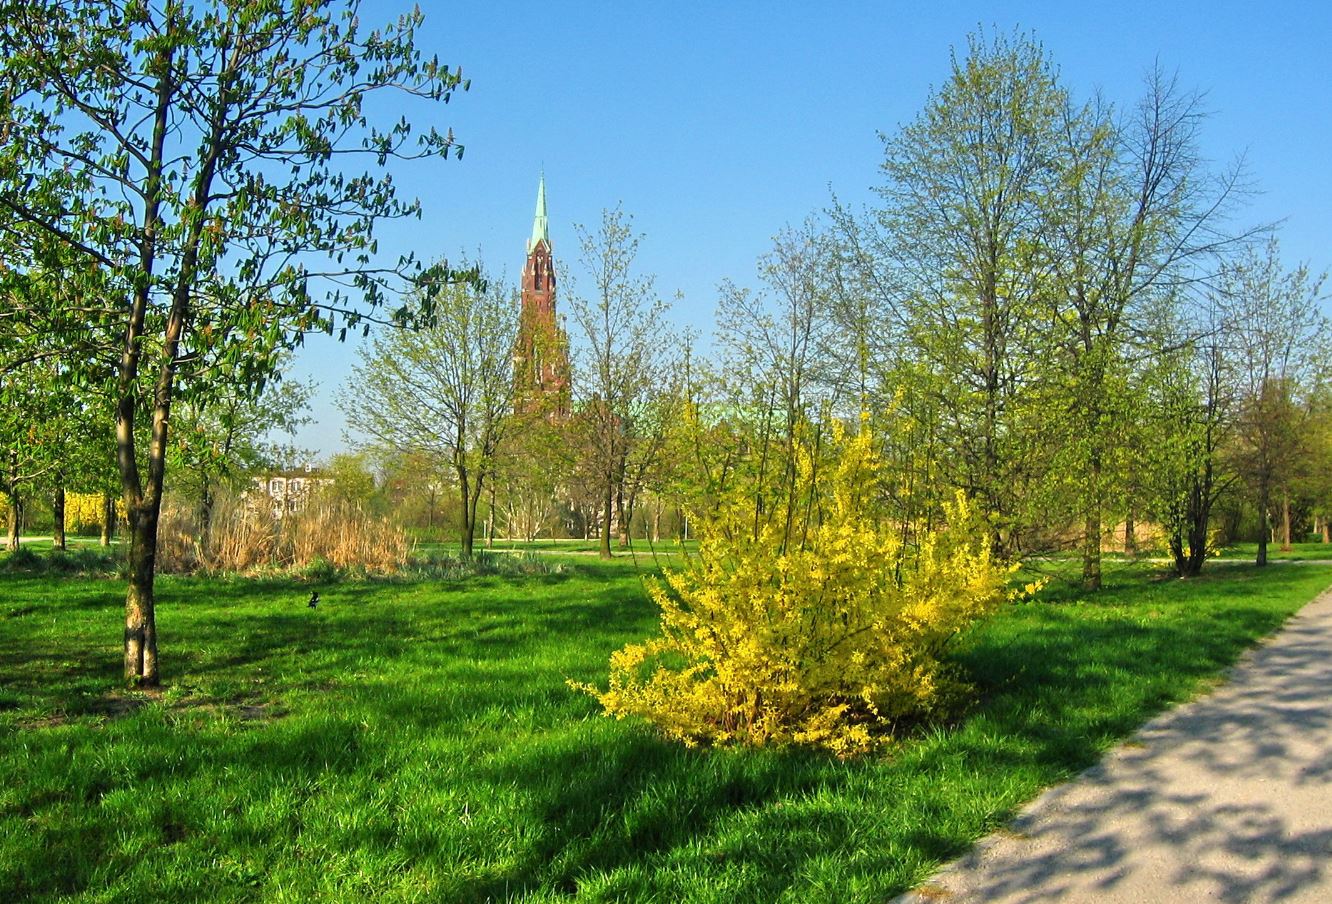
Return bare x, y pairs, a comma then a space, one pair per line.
1227, 798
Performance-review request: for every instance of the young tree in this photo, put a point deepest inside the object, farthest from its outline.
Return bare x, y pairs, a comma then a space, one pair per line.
963, 197
30, 419
535, 470
622, 355
445, 391
1315, 484
222, 435
1134, 215
195, 162
778, 349
1278, 336
1189, 384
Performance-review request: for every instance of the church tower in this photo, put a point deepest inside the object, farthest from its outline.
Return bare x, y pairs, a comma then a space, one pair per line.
541, 359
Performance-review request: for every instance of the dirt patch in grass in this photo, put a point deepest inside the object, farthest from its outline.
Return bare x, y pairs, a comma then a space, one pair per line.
120, 704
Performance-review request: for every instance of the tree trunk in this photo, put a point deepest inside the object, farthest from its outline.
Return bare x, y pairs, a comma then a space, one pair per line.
1091, 529
466, 517
1264, 526
1285, 522
622, 514
608, 512
140, 620
1177, 553
475, 507
1091, 554
205, 513
1326, 538
627, 506
1197, 515
15, 517
1130, 536
58, 518
1197, 542
490, 517
108, 518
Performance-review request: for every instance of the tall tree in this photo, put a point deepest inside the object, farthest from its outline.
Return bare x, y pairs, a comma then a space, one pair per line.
445, 390
622, 353
1278, 336
196, 160
964, 191
1315, 484
1134, 215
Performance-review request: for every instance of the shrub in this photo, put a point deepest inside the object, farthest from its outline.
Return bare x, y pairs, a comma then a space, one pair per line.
84, 512
22, 558
320, 570
823, 644
443, 565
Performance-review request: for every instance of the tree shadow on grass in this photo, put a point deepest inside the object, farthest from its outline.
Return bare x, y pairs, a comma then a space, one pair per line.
599, 800
613, 799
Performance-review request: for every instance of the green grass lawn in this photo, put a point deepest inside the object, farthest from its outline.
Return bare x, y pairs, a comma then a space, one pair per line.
1302, 552
415, 741
641, 549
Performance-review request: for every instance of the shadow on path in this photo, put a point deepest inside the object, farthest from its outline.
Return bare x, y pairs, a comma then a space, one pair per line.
1228, 798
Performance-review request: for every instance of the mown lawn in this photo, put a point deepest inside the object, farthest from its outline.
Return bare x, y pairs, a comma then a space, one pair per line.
417, 742
1302, 552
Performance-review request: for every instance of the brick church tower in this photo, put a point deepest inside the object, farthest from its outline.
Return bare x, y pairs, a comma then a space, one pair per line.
541, 358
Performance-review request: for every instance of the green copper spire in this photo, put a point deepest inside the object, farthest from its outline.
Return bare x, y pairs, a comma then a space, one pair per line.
539, 233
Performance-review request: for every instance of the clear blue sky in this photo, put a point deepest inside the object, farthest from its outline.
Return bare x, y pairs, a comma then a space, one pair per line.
717, 124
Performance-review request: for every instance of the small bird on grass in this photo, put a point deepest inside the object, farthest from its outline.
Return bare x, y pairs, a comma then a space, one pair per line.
314, 599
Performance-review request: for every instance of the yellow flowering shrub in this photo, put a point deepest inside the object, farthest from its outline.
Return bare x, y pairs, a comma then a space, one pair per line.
828, 643
84, 511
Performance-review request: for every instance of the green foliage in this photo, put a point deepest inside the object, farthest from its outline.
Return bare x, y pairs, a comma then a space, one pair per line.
189, 171
966, 240
1281, 337
352, 482
829, 643
442, 394
226, 435
319, 570
21, 558
628, 375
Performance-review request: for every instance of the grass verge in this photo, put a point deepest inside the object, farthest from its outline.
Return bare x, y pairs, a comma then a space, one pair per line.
1298, 552
413, 741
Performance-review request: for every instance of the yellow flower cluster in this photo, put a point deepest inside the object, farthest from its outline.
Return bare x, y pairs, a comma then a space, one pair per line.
84, 510
829, 644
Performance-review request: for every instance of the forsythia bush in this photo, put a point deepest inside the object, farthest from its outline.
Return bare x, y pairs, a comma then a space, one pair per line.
820, 645
86, 510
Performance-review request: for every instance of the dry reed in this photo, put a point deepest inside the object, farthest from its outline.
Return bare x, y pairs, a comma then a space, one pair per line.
246, 535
